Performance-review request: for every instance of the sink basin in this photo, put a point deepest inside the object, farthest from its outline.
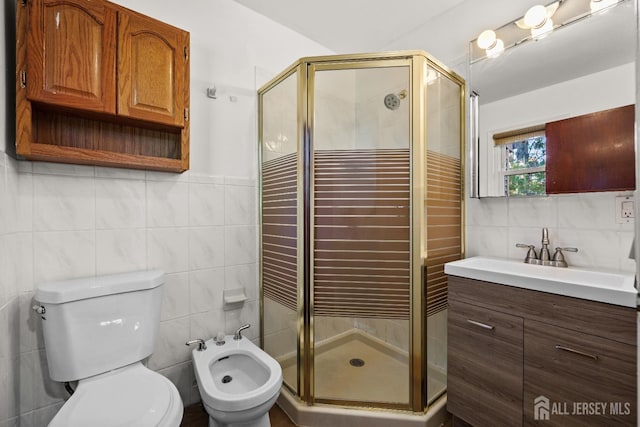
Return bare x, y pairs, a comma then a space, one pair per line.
609, 287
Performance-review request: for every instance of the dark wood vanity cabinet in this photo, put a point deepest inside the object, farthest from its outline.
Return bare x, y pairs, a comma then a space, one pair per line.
565, 366
484, 365
509, 348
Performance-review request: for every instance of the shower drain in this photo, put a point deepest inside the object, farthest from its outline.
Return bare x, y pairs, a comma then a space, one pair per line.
356, 362
226, 379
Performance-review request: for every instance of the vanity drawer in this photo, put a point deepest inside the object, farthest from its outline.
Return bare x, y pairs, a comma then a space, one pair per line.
566, 367
484, 379
596, 318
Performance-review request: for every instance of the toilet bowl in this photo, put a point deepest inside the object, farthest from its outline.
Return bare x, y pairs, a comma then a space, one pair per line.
238, 382
129, 396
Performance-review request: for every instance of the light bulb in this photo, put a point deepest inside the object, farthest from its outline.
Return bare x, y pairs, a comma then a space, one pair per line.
543, 30
496, 49
597, 5
486, 39
535, 16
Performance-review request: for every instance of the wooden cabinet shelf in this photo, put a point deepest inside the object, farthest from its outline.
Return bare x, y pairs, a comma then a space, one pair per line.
100, 84
510, 347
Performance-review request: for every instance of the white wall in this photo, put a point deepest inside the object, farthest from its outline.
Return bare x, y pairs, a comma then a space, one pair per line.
62, 221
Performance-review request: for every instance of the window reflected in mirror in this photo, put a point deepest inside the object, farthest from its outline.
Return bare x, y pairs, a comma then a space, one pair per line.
524, 167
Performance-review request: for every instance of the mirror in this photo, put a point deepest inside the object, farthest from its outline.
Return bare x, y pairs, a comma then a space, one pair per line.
585, 65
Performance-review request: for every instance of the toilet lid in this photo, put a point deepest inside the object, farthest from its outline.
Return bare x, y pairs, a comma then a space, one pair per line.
136, 397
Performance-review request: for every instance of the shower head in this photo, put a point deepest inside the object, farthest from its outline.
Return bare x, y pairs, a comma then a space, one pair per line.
392, 101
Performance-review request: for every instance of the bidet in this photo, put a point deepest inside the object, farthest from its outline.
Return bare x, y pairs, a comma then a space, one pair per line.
238, 381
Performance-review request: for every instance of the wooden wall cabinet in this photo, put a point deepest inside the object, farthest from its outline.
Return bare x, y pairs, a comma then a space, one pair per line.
507, 346
152, 60
71, 54
100, 84
592, 152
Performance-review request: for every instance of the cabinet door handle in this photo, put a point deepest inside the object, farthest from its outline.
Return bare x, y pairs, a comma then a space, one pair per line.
581, 353
482, 325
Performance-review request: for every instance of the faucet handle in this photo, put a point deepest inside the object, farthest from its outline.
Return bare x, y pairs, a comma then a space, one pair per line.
531, 253
567, 249
558, 257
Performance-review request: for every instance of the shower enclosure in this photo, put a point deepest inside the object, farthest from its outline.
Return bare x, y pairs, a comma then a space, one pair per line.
361, 204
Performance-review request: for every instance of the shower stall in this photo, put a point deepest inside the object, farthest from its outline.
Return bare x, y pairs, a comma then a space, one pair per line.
361, 204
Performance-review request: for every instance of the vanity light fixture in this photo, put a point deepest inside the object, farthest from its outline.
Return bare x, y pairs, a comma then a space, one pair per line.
488, 41
536, 24
597, 5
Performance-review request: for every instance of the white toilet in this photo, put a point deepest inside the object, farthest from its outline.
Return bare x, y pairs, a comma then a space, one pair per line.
238, 381
97, 330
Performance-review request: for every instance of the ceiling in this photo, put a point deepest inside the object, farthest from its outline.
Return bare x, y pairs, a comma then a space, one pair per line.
352, 25
444, 28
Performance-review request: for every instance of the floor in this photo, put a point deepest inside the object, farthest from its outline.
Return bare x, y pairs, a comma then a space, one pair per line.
195, 416
337, 379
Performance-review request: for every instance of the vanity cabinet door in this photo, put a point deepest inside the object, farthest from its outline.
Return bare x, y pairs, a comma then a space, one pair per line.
71, 54
152, 67
484, 384
563, 369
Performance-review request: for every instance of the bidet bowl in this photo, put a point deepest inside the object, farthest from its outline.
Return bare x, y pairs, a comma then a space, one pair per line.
236, 377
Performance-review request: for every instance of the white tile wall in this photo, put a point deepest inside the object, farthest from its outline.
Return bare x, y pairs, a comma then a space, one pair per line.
73, 222
585, 221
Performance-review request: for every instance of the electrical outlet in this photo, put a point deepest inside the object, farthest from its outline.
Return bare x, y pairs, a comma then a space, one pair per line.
625, 209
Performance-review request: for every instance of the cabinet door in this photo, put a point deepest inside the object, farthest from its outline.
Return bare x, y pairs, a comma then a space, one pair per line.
484, 378
71, 54
567, 371
151, 70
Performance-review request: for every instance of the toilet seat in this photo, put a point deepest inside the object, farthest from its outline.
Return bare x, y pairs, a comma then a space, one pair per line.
127, 397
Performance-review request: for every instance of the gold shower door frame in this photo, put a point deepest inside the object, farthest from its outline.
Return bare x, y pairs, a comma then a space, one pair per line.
417, 62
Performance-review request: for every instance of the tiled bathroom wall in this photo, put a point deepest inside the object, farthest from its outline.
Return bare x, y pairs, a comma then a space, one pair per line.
74, 221
585, 221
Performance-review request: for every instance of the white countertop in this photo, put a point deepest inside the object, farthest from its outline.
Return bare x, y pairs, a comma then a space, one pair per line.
612, 287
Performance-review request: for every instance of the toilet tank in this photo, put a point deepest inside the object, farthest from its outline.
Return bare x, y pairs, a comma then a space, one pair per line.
96, 324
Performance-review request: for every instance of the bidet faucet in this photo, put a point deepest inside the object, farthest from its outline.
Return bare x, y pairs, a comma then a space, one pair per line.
201, 345
238, 335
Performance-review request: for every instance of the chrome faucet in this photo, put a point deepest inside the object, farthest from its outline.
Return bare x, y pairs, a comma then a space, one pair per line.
238, 335
544, 258
201, 345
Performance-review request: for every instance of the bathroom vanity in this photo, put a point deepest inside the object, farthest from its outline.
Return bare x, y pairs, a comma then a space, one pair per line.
518, 355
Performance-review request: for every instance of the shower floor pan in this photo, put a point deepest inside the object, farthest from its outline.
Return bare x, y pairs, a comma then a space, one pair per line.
384, 376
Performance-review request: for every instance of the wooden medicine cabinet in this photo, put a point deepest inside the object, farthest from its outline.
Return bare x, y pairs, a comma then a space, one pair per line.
592, 152
100, 84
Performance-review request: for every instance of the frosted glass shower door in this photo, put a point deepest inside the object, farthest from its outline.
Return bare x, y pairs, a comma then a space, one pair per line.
361, 278
279, 225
